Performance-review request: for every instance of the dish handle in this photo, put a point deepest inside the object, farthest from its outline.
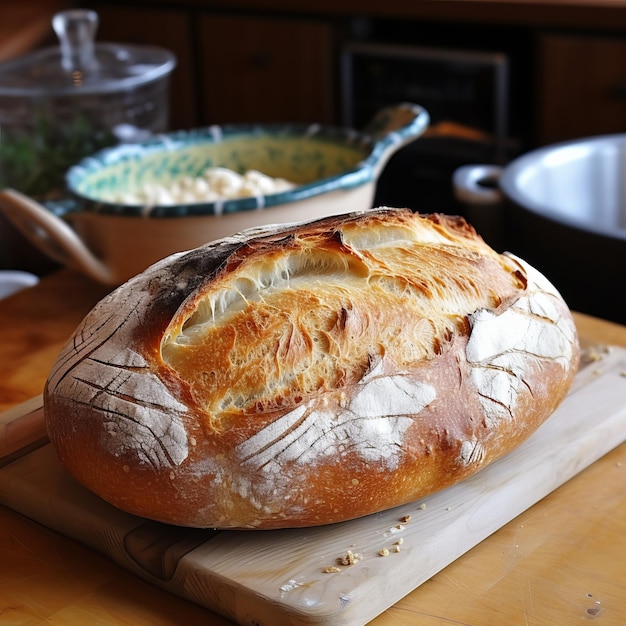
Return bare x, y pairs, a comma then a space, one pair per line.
52, 235
396, 126
477, 188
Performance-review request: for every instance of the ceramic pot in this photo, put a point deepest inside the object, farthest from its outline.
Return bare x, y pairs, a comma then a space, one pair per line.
335, 171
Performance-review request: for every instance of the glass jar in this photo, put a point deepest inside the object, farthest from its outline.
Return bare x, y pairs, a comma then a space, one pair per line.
60, 104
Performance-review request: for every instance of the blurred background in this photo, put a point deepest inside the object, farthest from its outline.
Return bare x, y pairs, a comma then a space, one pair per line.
499, 79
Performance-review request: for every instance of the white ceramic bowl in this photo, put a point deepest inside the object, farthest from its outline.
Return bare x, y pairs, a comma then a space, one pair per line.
12, 281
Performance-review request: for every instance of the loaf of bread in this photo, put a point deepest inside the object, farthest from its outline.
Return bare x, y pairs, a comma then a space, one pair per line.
300, 375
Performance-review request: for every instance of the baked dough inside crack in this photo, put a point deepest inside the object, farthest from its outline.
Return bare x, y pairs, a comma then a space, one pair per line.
312, 316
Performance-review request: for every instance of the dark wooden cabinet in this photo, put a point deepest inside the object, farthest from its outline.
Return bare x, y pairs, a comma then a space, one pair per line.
168, 28
257, 69
581, 86
253, 61
234, 68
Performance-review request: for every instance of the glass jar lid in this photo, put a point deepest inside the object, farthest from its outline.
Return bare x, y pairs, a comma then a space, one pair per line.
79, 65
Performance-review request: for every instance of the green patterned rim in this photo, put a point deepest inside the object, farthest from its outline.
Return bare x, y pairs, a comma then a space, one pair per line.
318, 159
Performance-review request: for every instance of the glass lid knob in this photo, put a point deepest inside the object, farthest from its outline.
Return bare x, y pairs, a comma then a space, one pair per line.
76, 30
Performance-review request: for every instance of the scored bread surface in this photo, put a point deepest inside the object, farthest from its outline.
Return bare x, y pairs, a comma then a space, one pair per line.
307, 374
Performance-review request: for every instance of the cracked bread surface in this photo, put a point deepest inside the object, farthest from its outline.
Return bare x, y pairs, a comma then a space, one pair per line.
306, 374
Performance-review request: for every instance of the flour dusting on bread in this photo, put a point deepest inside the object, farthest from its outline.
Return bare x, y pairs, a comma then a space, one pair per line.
306, 374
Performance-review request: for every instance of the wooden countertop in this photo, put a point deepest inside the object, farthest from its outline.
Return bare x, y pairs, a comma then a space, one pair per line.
560, 562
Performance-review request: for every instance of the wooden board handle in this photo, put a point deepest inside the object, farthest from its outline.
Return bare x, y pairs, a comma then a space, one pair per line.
22, 429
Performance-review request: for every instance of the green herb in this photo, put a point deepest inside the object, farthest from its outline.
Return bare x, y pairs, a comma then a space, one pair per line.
35, 162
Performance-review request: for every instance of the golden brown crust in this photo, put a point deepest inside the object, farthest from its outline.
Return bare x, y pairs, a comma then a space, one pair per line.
308, 374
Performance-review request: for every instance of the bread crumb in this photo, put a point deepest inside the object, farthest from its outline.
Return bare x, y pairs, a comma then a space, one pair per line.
399, 542
290, 585
383, 552
423, 506
331, 570
350, 558
396, 548
593, 354
405, 519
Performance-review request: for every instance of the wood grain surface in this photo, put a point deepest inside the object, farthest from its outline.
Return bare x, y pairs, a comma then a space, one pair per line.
561, 561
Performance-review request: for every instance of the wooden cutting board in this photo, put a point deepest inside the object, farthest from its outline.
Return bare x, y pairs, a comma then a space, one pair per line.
280, 577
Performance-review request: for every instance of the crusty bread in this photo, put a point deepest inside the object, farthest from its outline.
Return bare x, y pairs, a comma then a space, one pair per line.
301, 375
